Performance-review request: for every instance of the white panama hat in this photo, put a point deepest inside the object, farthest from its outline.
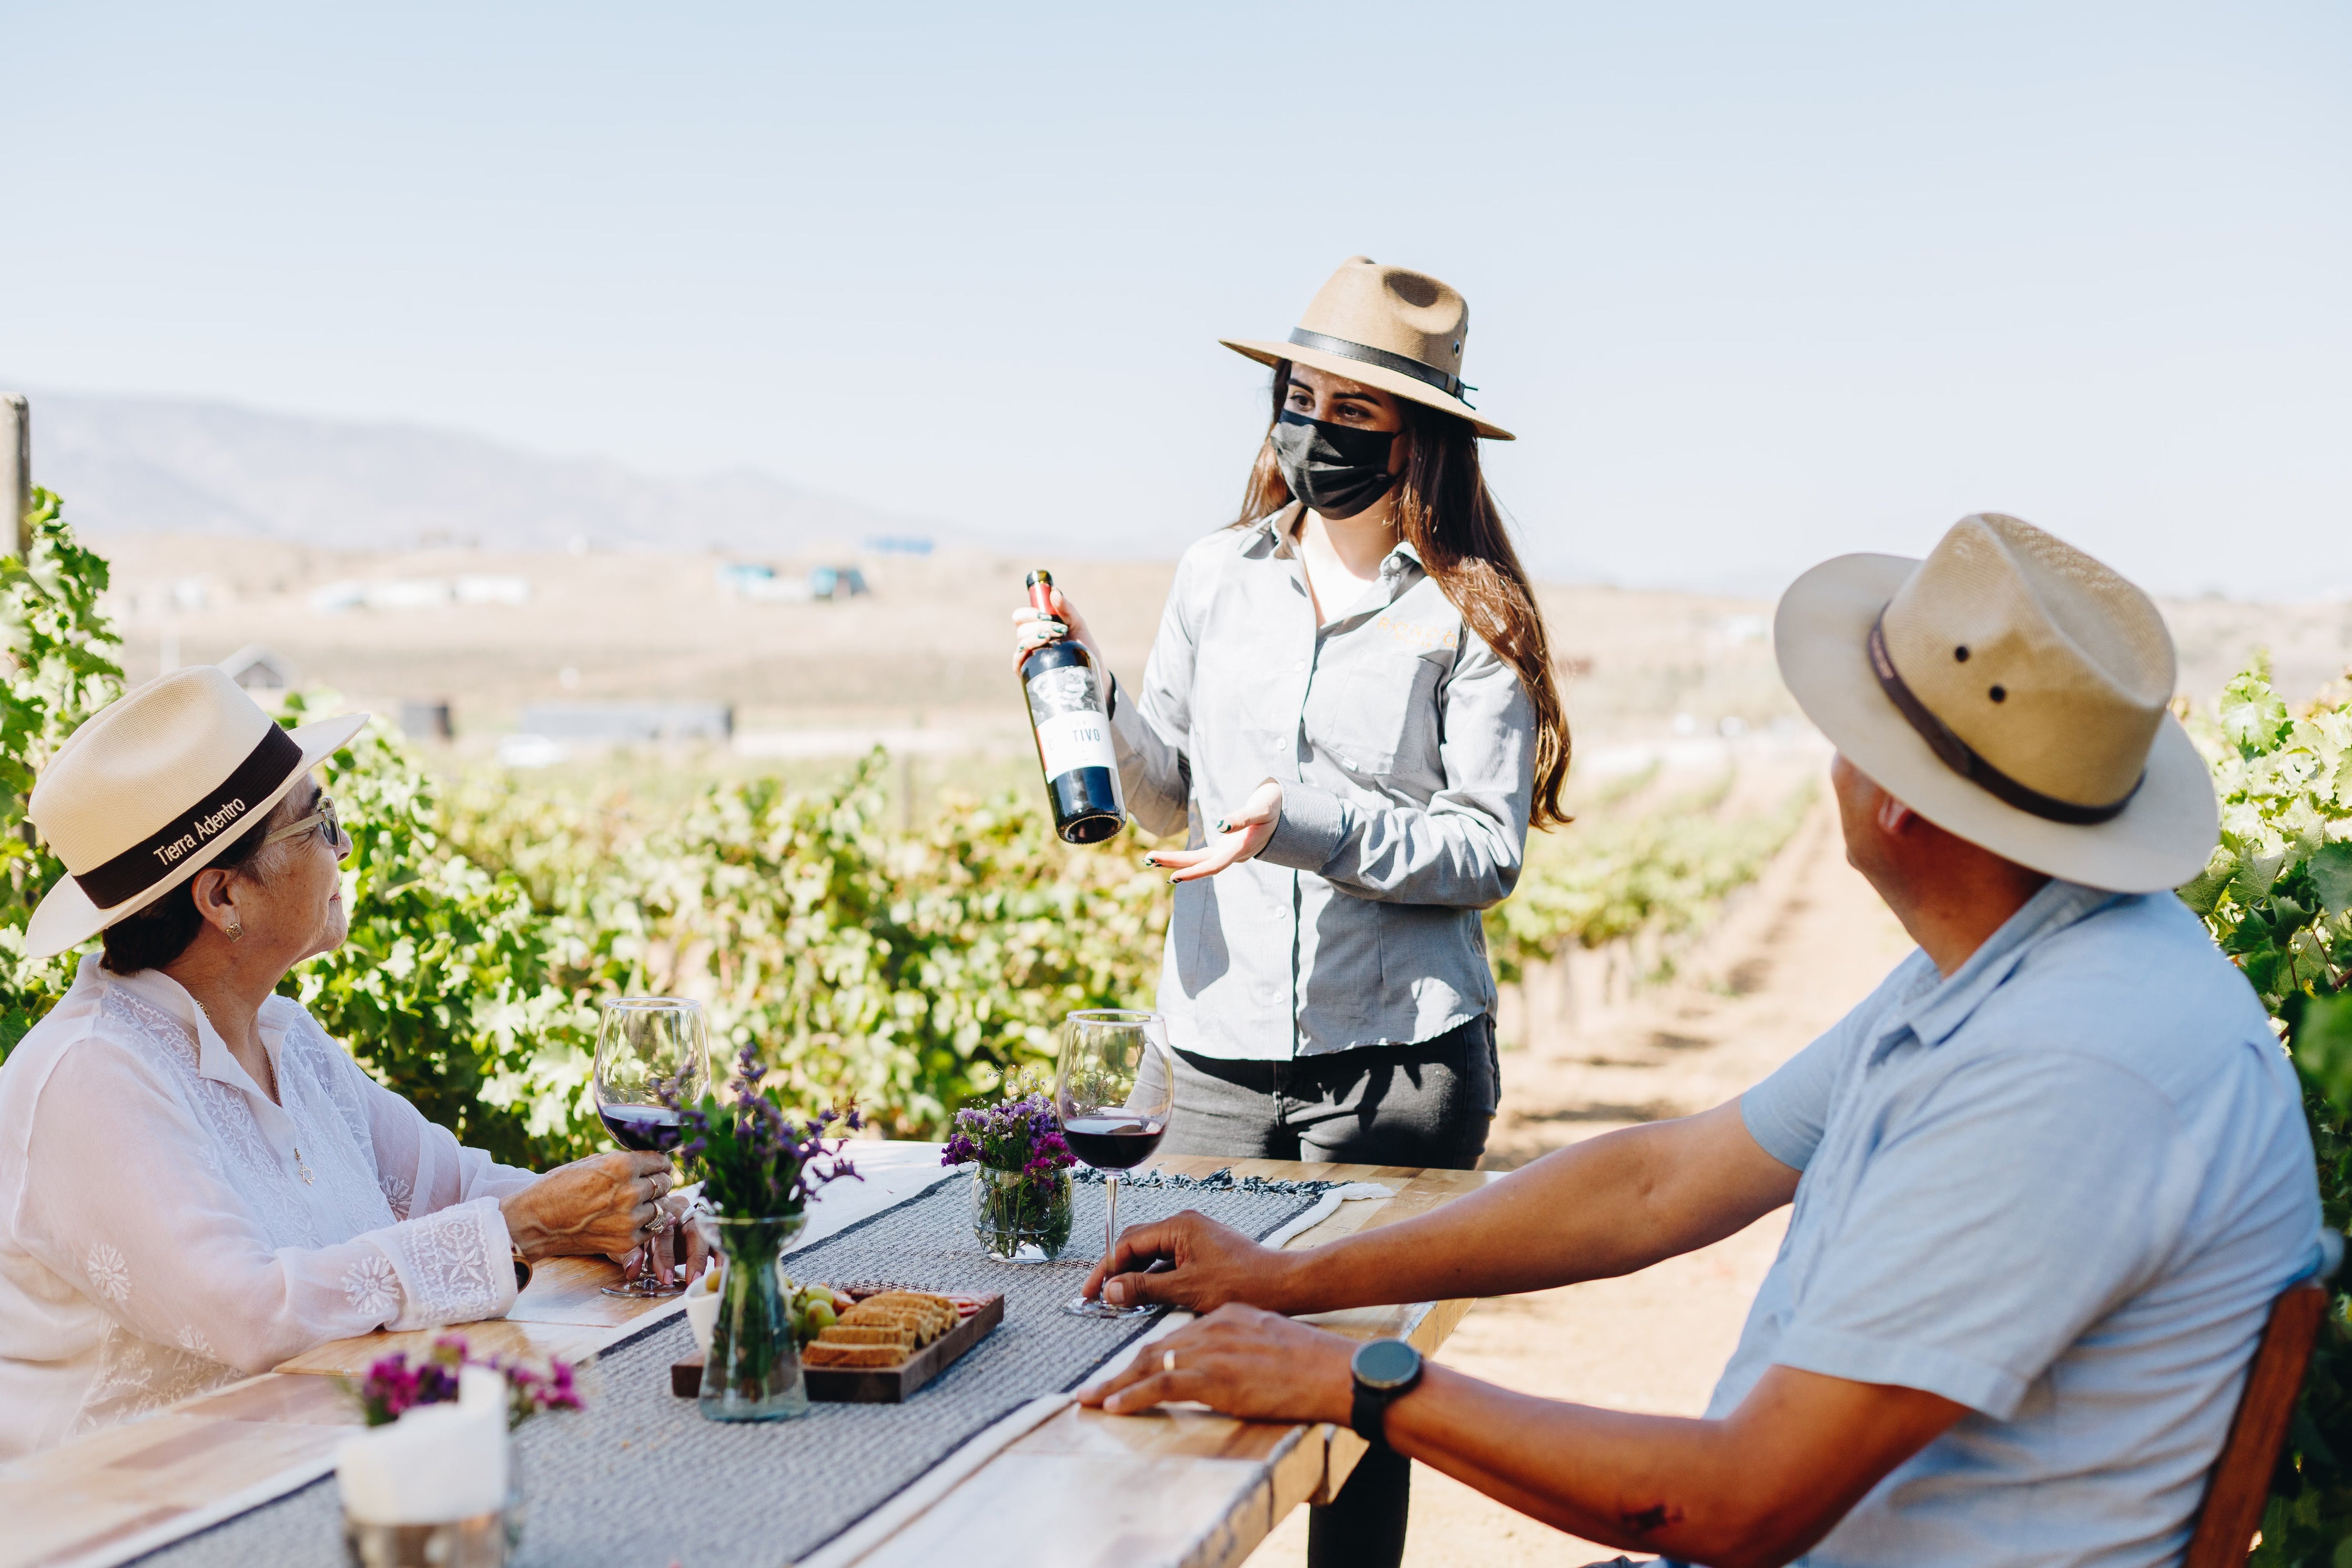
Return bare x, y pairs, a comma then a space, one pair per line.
2013, 691
154, 788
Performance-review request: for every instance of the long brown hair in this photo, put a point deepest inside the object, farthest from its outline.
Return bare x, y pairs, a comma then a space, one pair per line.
1445, 512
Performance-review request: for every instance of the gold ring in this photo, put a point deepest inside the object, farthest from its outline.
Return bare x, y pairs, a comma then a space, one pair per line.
1167, 1361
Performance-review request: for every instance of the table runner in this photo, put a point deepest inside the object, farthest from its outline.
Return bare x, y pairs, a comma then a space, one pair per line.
640, 1478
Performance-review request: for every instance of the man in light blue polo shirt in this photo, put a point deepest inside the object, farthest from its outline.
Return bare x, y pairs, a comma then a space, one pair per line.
2048, 1177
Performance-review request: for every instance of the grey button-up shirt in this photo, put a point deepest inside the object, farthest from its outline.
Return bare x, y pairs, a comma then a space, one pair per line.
1405, 750
2060, 1188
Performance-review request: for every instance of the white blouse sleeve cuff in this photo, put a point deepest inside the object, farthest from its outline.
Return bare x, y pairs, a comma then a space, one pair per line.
456, 1266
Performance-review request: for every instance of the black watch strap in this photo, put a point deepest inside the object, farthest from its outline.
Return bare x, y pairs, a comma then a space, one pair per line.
1369, 1413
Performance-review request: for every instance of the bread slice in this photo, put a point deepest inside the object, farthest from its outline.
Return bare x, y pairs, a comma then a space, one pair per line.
924, 1322
855, 1355
868, 1334
937, 1310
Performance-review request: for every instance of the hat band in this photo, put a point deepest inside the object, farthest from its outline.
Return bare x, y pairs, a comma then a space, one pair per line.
1452, 386
225, 807
1962, 758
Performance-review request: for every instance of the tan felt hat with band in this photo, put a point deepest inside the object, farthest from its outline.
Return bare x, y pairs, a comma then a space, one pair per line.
2013, 691
154, 788
1387, 326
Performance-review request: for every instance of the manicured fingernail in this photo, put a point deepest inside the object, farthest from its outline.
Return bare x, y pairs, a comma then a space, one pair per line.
1115, 1293
1171, 881
1221, 826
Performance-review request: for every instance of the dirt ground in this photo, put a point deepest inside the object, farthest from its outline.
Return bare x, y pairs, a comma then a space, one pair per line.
1810, 941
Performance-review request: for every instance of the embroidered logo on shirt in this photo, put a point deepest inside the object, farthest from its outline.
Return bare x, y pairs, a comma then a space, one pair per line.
109, 1273
1412, 633
371, 1287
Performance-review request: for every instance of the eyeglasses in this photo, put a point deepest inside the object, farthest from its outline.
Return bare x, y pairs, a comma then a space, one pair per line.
322, 818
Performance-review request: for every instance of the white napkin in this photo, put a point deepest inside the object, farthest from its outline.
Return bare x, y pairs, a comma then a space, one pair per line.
436, 1463
1325, 1207
702, 1303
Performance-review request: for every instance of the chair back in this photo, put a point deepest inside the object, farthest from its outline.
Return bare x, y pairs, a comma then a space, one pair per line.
2240, 1479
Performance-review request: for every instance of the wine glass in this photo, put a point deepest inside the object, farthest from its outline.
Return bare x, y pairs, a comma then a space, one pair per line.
1114, 1087
646, 1047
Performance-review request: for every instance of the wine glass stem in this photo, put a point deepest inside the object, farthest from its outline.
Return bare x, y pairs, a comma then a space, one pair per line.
1110, 1222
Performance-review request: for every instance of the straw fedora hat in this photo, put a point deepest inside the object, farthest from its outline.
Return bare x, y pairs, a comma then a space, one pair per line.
153, 789
2013, 691
1387, 326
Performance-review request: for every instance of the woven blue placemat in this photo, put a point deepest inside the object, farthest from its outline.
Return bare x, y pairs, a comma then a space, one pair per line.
639, 1479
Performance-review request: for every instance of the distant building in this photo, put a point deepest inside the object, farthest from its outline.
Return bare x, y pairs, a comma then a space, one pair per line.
395, 593
628, 724
257, 669
486, 588
426, 720
763, 584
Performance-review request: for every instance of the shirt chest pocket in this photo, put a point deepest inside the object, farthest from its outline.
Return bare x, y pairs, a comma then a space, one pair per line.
1377, 715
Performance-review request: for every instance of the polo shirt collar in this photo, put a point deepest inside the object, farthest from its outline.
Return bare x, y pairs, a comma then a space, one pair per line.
1936, 1013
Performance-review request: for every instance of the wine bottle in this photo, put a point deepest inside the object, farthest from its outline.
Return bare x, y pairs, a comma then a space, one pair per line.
1065, 710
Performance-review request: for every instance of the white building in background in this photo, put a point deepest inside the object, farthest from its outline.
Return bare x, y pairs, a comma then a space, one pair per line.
484, 588
257, 669
420, 592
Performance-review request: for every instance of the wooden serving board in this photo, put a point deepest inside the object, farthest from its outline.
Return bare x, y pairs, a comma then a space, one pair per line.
874, 1385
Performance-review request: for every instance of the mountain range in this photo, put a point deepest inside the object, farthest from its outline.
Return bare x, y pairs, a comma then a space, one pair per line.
148, 466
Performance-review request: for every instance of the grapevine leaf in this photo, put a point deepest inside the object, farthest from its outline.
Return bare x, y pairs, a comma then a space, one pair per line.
2331, 875
2253, 716
2322, 1048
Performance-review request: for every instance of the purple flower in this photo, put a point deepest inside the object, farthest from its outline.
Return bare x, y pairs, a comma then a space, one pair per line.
391, 1387
1020, 1135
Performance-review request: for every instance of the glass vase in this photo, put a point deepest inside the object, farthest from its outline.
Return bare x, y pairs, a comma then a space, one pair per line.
753, 1370
1021, 1218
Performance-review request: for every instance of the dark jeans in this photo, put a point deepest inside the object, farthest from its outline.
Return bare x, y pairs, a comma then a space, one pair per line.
1427, 1104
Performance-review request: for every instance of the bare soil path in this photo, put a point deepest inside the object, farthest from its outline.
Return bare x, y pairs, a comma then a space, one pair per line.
1808, 942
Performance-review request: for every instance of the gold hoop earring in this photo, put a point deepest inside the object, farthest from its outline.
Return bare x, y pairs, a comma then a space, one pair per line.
236, 929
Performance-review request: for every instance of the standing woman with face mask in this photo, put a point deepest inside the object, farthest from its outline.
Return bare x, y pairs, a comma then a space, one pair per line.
1350, 715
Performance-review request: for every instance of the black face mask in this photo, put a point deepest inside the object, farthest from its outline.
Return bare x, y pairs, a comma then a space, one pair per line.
1334, 469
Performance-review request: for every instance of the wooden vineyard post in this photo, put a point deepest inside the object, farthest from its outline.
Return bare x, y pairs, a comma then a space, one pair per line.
16, 467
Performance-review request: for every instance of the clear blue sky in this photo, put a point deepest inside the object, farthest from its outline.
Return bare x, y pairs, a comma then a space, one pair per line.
1755, 283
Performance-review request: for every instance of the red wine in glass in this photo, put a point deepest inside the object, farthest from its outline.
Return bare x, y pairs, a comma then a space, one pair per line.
650, 1051
1113, 1143
1114, 1090
643, 1129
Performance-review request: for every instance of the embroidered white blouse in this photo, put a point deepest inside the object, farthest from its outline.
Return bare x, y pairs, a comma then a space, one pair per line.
166, 1228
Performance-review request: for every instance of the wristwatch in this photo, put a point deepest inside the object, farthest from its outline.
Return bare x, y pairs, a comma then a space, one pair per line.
1384, 1370
522, 1269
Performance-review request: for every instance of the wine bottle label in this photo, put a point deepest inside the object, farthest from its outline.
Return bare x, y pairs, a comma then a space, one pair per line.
1075, 740
1067, 711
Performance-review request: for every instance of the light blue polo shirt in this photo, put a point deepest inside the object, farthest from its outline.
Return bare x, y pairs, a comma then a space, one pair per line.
2060, 1188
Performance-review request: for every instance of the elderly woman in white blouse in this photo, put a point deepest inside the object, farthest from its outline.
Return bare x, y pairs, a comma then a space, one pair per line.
196, 1182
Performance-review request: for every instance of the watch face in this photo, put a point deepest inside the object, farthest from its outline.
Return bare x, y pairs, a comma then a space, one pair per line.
1385, 1363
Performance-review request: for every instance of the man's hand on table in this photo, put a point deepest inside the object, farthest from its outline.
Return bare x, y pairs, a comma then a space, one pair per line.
1196, 1263
1240, 1361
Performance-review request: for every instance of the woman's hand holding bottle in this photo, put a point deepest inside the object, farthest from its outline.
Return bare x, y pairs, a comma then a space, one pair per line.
1032, 629
1238, 836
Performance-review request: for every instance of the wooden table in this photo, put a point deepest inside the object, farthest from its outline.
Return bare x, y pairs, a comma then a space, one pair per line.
1174, 1487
